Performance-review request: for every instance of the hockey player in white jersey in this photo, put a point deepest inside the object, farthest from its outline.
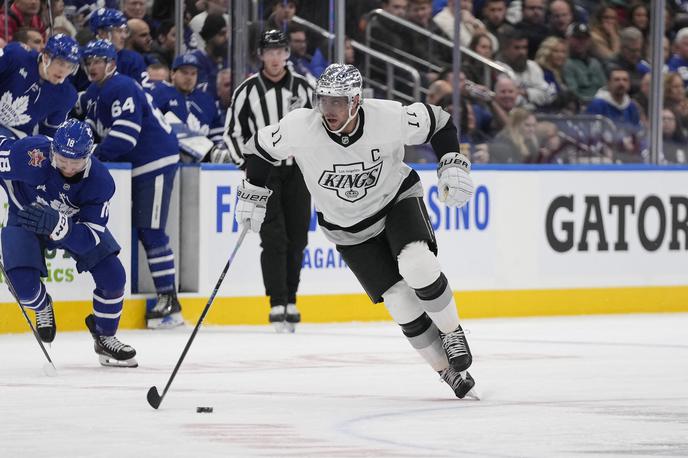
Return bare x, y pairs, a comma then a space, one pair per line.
370, 203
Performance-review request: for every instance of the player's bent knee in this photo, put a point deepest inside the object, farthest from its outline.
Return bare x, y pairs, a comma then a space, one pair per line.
418, 265
402, 303
109, 275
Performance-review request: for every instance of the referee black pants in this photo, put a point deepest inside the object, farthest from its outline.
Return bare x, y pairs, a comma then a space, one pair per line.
284, 234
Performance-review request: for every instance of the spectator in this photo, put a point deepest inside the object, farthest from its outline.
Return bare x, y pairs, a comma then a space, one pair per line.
211, 7
136, 9
165, 42
437, 90
469, 26
158, 72
604, 31
551, 57
675, 98
30, 37
639, 17
475, 70
630, 56
642, 98
506, 99
516, 143
282, 12
224, 89
529, 75
494, 15
22, 13
60, 22
674, 141
387, 35
679, 61
533, 24
307, 61
560, 17
213, 57
140, 39
583, 73
419, 13
614, 103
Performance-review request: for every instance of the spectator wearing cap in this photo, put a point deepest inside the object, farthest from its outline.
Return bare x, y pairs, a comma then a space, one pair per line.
22, 13
604, 32
679, 61
213, 57
529, 76
211, 7
630, 57
583, 73
194, 108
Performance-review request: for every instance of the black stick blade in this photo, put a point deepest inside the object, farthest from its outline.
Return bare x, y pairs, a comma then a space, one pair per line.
153, 397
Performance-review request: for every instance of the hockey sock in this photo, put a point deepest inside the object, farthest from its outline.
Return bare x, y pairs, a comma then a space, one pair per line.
161, 264
107, 308
425, 338
437, 300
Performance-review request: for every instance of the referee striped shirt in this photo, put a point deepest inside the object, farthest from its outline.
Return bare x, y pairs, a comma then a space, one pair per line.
259, 102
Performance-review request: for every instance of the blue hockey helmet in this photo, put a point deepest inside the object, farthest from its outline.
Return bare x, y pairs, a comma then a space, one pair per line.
73, 140
63, 47
105, 18
99, 48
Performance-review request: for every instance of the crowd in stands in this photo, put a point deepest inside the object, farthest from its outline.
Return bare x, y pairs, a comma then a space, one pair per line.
578, 68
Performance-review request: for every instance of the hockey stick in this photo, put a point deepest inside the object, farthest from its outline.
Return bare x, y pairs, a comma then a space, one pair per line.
49, 367
50, 17
154, 398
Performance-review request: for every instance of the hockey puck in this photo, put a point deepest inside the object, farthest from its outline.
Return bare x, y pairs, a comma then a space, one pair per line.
204, 410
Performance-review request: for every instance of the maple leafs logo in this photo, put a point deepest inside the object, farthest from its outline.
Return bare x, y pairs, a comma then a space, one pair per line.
195, 125
13, 111
36, 157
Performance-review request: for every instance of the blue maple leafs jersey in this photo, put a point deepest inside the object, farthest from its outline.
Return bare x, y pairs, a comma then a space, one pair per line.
131, 63
129, 125
28, 178
197, 110
26, 100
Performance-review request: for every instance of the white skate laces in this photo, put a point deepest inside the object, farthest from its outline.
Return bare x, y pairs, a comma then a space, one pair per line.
455, 344
113, 344
44, 318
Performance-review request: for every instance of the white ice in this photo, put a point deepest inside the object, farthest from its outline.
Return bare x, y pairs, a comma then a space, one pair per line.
613, 385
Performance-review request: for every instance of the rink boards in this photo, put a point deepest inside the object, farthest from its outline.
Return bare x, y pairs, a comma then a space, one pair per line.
533, 241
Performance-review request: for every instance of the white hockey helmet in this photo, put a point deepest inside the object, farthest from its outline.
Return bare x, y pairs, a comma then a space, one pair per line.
340, 80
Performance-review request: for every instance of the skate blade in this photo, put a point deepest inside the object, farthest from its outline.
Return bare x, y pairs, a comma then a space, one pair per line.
166, 322
109, 361
289, 327
472, 393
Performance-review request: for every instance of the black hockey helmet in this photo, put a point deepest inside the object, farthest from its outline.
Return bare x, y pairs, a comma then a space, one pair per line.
273, 39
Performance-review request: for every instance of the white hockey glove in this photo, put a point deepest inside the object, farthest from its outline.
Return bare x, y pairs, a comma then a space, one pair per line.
455, 184
220, 154
250, 209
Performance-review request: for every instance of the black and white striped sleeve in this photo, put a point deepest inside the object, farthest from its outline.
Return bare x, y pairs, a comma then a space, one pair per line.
237, 130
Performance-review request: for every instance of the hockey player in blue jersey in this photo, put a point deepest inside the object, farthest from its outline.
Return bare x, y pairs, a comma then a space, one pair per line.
33, 91
195, 109
132, 129
58, 198
111, 24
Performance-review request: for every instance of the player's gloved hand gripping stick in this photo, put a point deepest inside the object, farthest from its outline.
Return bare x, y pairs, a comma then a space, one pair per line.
455, 184
250, 210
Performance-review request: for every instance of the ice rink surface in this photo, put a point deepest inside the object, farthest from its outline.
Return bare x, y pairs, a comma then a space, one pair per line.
614, 385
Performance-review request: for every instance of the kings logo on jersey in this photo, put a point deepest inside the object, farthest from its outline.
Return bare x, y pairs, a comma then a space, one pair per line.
350, 181
36, 157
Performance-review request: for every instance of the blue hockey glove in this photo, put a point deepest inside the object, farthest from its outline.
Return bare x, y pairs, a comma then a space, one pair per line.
45, 221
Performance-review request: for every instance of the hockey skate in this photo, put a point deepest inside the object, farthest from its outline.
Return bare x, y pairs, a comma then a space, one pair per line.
293, 317
456, 347
461, 382
284, 318
45, 322
111, 352
167, 312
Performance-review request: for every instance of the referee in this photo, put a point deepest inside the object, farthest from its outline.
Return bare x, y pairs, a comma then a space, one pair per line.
263, 99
